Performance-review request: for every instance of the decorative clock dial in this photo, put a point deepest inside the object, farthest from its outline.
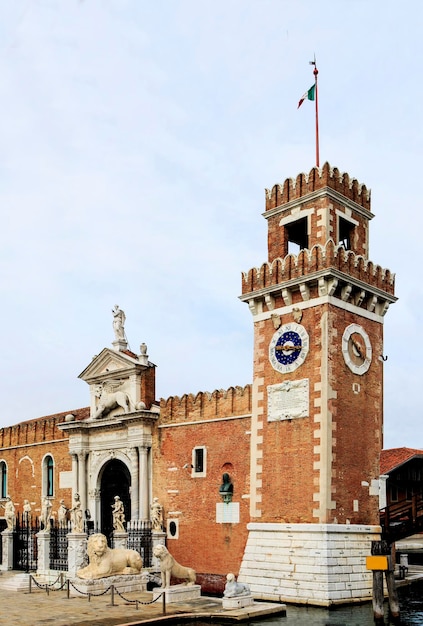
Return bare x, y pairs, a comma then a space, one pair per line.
288, 347
357, 349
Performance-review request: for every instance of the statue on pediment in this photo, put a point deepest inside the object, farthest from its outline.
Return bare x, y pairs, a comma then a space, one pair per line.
119, 319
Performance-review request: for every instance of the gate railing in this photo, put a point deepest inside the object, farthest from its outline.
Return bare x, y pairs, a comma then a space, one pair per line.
25, 549
59, 546
140, 539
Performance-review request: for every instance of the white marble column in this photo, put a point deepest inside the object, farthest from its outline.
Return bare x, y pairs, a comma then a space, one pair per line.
74, 474
77, 549
135, 494
43, 559
144, 487
7, 547
82, 478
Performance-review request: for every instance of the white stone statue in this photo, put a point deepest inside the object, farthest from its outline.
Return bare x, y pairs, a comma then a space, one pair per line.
26, 516
156, 515
169, 567
76, 515
109, 398
45, 513
233, 589
119, 319
62, 514
103, 561
9, 513
118, 513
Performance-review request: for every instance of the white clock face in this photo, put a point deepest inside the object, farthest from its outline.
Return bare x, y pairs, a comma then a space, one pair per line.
357, 349
288, 347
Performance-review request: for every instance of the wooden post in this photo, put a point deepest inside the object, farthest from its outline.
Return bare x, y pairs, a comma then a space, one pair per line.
378, 594
394, 608
382, 561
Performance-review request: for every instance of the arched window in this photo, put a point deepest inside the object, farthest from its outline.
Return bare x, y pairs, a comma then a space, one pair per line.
3, 479
48, 476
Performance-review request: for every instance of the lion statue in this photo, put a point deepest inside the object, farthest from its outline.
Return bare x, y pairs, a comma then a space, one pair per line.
170, 567
105, 561
234, 588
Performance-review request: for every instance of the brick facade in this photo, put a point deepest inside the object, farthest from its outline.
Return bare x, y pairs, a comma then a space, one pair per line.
291, 468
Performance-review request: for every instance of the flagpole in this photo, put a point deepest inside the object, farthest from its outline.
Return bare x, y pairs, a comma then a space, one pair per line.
315, 72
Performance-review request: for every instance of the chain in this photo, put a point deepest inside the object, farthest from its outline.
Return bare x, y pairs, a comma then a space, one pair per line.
90, 594
47, 586
138, 601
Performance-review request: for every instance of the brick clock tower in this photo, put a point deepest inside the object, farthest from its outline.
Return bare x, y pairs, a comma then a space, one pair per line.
318, 307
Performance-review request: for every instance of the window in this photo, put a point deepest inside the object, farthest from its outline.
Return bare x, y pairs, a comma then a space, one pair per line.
346, 230
394, 493
173, 528
3, 479
199, 459
48, 476
297, 235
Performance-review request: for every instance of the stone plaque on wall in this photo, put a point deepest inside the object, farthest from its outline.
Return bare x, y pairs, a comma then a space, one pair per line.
288, 400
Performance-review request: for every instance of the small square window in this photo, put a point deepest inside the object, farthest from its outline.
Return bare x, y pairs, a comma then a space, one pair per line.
199, 461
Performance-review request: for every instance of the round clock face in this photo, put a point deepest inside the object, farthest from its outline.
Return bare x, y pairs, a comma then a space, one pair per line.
288, 347
357, 349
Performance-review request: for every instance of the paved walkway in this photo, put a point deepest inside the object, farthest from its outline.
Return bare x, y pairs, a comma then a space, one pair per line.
21, 608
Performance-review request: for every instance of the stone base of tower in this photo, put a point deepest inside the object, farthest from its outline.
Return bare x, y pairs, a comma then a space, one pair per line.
317, 564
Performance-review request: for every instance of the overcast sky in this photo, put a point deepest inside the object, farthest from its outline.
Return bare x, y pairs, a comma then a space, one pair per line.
136, 140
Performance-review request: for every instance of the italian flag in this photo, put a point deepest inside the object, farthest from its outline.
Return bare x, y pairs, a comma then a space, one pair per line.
309, 95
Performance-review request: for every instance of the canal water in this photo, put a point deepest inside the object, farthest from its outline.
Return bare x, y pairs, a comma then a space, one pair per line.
411, 604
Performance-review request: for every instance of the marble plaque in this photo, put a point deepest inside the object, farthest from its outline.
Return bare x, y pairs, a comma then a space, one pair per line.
227, 512
288, 400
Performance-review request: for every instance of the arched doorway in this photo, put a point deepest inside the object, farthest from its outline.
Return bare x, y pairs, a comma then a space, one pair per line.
115, 481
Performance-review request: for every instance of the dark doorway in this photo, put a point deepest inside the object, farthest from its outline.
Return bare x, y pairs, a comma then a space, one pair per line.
115, 481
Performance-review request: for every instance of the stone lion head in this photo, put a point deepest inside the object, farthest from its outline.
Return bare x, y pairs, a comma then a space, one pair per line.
160, 551
97, 547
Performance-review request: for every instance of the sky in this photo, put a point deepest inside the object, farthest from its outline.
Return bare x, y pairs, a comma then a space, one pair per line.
136, 141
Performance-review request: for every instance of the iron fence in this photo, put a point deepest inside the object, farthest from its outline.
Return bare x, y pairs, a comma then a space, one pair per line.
140, 539
59, 547
25, 549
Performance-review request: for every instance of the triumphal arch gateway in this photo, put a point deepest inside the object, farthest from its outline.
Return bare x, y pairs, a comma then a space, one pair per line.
276, 480
111, 450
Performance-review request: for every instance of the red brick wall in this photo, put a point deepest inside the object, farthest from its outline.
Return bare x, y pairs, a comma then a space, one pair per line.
23, 448
211, 548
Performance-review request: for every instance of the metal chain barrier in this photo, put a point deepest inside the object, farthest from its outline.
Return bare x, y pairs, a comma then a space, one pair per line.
138, 601
89, 594
67, 583
47, 586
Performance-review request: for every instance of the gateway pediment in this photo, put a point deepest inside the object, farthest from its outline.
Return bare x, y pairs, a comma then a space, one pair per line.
110, 363
120, 382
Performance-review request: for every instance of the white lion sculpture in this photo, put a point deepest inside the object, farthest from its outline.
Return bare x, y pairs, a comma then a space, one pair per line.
170, 567
234, 589
109, 399
105, 561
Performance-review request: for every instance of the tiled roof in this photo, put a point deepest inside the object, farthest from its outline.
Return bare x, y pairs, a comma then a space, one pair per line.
392, 458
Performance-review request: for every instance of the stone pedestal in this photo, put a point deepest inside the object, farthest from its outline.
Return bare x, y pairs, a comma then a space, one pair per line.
7, 547
178, 593
77, 552
159, 538
124, 583
43, 545
120, 539
319, 564
237, 603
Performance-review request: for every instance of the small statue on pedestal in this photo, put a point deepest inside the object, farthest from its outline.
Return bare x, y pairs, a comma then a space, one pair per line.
118, 513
